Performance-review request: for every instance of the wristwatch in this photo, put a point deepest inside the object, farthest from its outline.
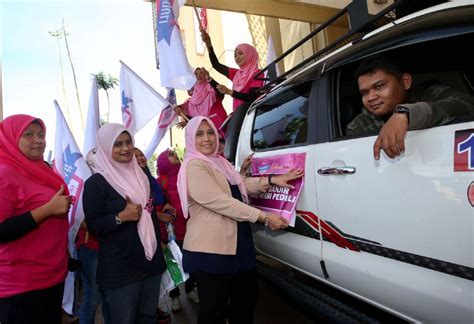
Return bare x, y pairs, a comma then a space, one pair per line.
402, 110
118, 221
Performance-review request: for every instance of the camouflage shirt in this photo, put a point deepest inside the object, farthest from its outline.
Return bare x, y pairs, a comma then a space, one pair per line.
434, 106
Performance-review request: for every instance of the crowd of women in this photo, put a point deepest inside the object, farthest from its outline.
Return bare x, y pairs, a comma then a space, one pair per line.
127, 212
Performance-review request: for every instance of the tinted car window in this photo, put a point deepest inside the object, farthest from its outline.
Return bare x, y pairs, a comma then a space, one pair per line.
282, 121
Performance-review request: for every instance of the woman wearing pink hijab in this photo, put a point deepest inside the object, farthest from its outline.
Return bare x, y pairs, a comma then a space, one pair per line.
205, 100
118, 210
244, 86
34, 203
218, 246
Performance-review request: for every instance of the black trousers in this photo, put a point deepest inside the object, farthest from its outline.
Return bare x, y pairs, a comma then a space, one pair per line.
227, 296
42, 306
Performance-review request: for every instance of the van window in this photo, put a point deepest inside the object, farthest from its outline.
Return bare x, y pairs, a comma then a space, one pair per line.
282, 121
427, 71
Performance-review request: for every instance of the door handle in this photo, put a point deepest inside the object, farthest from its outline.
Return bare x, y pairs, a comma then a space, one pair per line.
337, 170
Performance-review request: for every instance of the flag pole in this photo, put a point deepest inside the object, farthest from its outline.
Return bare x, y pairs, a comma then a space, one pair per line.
197, 16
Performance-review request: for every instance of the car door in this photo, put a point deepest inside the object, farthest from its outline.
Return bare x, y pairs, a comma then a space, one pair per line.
412, 215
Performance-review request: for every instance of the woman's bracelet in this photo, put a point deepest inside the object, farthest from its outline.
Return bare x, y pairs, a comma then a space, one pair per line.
270, 180
265, 219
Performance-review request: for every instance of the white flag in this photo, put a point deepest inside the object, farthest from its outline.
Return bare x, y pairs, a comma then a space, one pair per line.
70, 164
93, 119
166, 120
140, 102
175, 71
271, 55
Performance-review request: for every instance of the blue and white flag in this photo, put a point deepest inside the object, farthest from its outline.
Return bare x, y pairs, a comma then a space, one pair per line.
165, 122
140, 102
175, 71
93, 119
70, 164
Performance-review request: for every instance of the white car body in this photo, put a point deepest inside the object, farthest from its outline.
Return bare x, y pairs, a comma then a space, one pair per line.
410, 217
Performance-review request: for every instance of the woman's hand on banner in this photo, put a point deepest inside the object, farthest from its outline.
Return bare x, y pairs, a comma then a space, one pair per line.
282, 180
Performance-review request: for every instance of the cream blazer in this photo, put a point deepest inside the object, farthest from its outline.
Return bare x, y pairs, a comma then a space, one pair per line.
213, 213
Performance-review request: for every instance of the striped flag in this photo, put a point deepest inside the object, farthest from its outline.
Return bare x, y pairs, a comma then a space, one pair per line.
140, 102
175, 71
165, 122
70, 164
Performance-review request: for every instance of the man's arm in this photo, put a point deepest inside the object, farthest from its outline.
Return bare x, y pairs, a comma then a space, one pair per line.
436, 106
439, 105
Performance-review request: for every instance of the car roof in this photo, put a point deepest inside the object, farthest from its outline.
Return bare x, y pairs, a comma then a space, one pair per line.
348, 52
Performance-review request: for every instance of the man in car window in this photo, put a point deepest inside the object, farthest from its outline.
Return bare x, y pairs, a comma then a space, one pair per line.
392, 106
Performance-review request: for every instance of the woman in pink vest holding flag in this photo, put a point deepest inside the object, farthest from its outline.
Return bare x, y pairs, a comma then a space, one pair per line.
244, 86
34, 203
205, 100
118, 209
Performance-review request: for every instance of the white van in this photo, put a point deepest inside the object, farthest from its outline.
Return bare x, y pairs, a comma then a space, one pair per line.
398, 233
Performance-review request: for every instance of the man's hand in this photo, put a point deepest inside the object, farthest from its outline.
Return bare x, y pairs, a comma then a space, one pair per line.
391, 138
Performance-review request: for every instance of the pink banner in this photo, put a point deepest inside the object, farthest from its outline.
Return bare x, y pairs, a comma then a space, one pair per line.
278, 200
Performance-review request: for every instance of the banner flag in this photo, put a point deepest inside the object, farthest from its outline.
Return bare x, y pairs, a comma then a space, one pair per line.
165, 122
278, 200
203, 19
70, 164
271, 55
175, 71
93, 119
140, 102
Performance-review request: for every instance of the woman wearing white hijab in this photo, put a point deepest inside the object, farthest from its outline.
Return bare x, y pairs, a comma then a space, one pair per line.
119, 211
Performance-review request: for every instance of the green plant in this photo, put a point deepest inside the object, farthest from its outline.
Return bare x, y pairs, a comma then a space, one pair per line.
106, 82
151, 163
180, 152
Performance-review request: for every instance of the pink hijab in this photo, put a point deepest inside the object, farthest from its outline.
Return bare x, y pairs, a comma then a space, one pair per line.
11, 130
128, 179
215, 161
165, 167
202, 100
245, 74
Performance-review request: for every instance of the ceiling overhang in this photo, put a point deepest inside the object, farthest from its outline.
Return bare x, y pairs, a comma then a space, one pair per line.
300, 10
